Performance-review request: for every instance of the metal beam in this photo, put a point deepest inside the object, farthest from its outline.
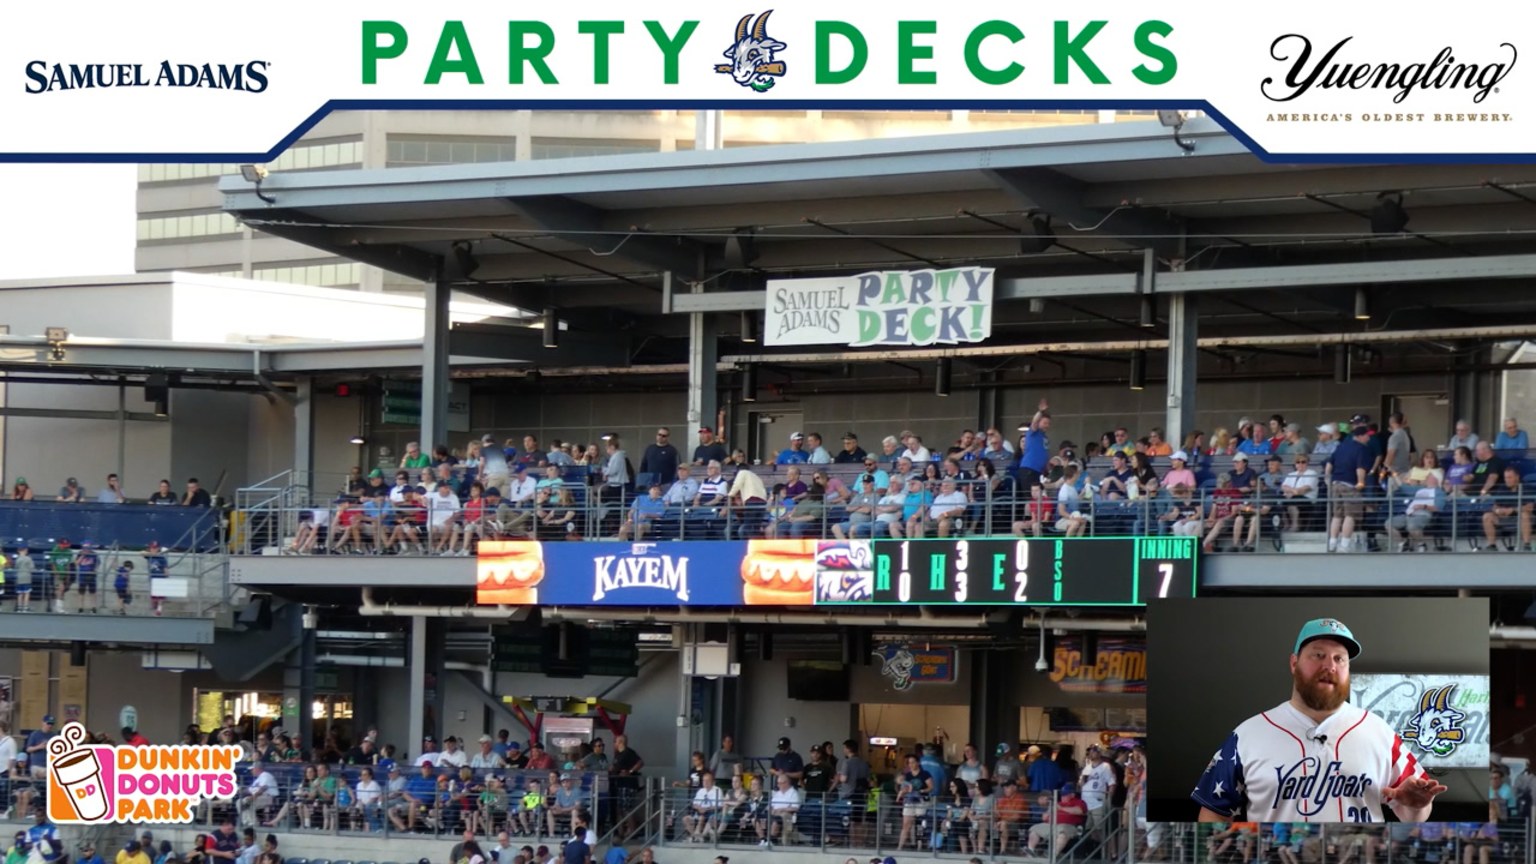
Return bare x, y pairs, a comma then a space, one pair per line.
434, 365
1183, 365
103, 629
277, 571
395, 257
81, 414
1236, 279
527, 346
584, 224
1333, 573
1063, 197
1353, 273
1513, 331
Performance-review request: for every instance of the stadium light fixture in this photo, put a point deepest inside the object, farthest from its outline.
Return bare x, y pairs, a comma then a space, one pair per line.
1175, 120
748, 383
1039, 236
1362, 305
464, 254
1139, 369
254, 174
551, 329
749, 327
942, 377
1389, 216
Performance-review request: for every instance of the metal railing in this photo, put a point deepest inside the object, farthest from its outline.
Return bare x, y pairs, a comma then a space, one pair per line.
1376, 521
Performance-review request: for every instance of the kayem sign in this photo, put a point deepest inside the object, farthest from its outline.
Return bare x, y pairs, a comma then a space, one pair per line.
890, 308
97, 784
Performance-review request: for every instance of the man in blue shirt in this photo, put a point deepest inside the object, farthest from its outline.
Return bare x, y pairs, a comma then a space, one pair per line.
1045, 776
155, 562
87, 564
1035, 448
420, 795
1347, 471
1512, 438
45, 832
1514, 502
37, 747
796, 454
575, 852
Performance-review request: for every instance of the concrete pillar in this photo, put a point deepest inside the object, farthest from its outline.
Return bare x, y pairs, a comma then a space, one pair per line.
303, 430
1183, 362
703, 380
434, 367
416, 672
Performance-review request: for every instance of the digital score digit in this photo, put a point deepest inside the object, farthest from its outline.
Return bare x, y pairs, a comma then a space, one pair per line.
1006, 571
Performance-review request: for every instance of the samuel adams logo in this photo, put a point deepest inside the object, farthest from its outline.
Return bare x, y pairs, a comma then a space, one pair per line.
45, 77
1337, 69
752, 55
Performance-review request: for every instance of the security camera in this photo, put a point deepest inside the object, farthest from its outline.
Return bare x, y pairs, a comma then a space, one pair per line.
1041, 666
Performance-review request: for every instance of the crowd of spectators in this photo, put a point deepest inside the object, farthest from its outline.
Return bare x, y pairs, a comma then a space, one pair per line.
1027, 800
1365, 485
111, 492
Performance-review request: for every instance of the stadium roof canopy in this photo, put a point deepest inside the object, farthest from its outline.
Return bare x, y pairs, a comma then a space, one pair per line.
1066, 214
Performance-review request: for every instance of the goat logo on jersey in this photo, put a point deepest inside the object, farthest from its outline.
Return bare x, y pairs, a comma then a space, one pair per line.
1436, 728
752, 55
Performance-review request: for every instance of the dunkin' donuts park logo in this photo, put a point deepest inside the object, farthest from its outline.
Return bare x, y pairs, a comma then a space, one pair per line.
97, 784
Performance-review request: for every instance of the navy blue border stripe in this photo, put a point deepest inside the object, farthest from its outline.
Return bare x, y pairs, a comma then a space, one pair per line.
777, 105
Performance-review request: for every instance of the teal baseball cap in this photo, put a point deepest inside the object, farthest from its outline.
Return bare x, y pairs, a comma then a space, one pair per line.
1327, 628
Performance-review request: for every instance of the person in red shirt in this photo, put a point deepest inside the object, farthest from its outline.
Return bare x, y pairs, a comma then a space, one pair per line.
473, 516
1224, 508
131, 738
538, 760
1071, 815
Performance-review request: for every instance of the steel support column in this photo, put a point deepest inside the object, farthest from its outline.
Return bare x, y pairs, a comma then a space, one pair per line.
303, 430
307, 692
416, 672
434, 367
1183, 360
703, 377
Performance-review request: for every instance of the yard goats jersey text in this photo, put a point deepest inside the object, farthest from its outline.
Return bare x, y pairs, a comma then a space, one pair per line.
1281, 767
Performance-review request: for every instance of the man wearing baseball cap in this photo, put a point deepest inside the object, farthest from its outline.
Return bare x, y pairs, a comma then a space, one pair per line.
795, 454
709, 449
1315, 757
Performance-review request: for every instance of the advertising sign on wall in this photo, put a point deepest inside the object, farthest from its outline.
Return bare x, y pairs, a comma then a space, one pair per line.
1442, 718
906, 665
1119, 665
887, 308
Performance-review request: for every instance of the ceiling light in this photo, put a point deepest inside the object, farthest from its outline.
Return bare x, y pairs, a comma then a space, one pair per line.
942, 376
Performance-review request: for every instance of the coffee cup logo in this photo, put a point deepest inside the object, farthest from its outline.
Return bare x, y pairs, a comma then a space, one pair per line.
77, 771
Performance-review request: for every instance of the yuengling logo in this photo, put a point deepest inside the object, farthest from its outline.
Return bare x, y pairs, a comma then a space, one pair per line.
1339, 69
95, 784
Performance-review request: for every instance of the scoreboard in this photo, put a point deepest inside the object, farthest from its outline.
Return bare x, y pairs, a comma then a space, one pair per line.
1080, 571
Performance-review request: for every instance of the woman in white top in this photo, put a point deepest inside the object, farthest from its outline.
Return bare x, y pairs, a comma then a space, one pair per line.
1299, 487
442, 509
1072, 522
368, 795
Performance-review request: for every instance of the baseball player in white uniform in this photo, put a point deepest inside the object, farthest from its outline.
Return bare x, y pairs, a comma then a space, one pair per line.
1315, 757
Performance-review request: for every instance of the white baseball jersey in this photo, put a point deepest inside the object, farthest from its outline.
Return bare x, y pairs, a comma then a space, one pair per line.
1281, 767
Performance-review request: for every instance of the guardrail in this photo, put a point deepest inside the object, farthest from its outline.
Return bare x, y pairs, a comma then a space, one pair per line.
1373, 520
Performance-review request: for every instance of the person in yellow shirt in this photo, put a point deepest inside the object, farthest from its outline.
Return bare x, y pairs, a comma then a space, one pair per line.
133, 853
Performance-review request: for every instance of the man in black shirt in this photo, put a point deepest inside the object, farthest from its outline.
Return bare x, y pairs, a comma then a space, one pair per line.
852, 453
515, 758
196, 495
626, 767
362, 754
709, 450
787, 761
660, 458
819, 774
1486, 473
